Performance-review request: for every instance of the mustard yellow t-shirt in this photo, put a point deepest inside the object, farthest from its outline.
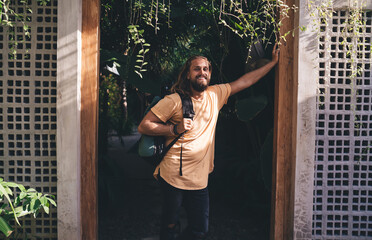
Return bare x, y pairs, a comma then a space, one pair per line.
197, 144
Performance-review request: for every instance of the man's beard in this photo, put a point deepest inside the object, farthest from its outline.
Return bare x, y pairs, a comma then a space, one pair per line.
199, 86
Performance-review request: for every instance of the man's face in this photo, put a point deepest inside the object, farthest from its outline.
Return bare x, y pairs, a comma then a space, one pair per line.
199, 74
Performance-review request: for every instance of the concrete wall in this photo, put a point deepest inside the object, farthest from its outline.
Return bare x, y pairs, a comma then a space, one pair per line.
332, 187
306, 110
68, 115
28, 124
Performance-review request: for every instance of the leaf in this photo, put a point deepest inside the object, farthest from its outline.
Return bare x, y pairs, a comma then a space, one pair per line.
145, 84
11, 184
248, 108
20, 212
52, 202
31, 190
46, 209
238, 26
32, 204
21, 187
9, 191
43, 200
22, 195
37, 205
5, 227
3, 191
17, 201
108, 56
139, 74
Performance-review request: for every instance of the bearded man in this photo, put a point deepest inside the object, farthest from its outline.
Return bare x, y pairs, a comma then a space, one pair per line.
183, 173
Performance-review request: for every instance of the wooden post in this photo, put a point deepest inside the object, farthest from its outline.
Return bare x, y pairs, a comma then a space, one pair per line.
284, 152
89, 119
77, 116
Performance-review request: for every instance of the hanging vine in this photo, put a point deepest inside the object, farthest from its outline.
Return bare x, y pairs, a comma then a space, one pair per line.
150, 16
253, 20
355, 47
11, 19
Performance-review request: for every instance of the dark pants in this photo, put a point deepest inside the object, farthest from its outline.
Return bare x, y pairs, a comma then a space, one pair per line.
196, 204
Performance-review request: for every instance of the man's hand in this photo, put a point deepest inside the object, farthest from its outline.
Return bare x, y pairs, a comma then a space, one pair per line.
275, 53
151, 125
185, 125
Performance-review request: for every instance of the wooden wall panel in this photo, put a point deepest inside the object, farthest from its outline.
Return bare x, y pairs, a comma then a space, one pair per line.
89, 118
284, 152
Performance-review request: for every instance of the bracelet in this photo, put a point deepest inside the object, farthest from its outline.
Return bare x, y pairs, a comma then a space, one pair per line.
175, 129
171, 129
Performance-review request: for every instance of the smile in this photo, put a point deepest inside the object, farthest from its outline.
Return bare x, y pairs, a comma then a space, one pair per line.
202, 78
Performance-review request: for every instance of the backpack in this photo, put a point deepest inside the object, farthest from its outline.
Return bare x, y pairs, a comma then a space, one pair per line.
152, 148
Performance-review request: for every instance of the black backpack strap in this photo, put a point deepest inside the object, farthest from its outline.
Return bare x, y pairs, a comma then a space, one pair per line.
188, 112
187, 107
166, 149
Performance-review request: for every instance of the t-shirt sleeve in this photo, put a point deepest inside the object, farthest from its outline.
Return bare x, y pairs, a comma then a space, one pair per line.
223, 93
165, 108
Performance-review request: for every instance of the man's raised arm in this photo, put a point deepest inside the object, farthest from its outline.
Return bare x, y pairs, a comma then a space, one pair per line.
251, 78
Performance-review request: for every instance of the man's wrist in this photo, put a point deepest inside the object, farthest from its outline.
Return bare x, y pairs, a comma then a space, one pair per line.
274, 62
175, 130
171, 130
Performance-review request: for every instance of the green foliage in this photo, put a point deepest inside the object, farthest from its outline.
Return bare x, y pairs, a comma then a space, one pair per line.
123, 63
136, 35
27, 202
111, 98
250, 107
156, 10
255, 19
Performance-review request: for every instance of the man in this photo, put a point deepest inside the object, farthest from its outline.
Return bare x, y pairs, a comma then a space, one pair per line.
183, 173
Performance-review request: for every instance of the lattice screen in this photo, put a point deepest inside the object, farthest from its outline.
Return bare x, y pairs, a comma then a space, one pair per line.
343, 174
28, 109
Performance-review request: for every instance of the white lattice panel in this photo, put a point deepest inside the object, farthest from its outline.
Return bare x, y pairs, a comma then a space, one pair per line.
343, 175
28, 109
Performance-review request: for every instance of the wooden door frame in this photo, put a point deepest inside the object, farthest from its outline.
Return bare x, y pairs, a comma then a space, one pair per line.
90, 42
284, 149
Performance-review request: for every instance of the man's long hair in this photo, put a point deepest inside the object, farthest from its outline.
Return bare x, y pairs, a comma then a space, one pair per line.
182, 86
